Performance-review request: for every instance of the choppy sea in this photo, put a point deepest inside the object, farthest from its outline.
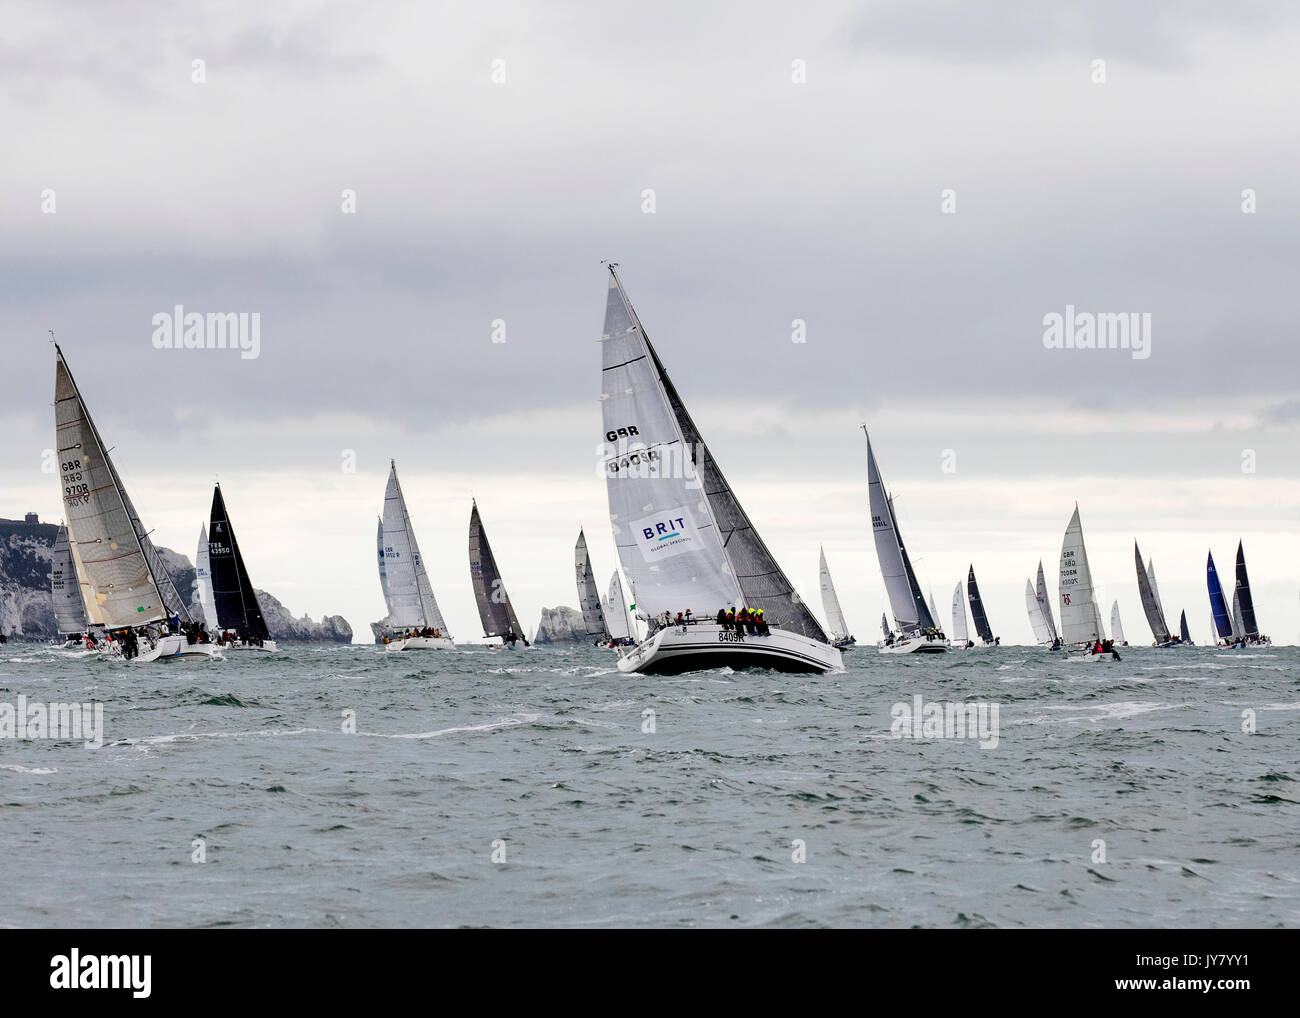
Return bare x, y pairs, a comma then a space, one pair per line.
542, 787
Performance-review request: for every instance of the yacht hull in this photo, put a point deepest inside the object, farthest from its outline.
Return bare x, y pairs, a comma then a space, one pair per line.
707, 645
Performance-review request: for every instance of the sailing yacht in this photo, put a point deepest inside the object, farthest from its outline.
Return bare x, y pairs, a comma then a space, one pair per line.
1225, 624
960, 631
414, 620
203, 581
65, 589
1244, 606
1116, 627
917, 632
982, 627
616, 613
1151, 606
1081, 623
494, 608
839, 634
683, 539
593, 611
233, 596
128, 589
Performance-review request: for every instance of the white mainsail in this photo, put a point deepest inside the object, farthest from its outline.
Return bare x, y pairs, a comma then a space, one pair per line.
616, 618
411, 603
593, 617
111, 544
1116, 629
839, 628
203, 580
905, 600
1080, 619
1045, 605
959, 631
667, 537
65, 588
1042, 634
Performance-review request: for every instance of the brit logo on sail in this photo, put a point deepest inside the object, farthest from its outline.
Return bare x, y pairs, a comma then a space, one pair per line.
181, 330
1083, 330
665, 534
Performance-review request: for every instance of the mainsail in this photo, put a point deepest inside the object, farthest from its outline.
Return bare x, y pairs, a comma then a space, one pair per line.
1116, 628
1218, 606
494, 607
982, 626
593, 617
1250, 627
1079, 616
620, 626
69, 608
1182, 628
232, 590
1045, 605
1150, 599
203, 580
959, 630
1042, 634
128, 584
911, 613
839, 628
683, 538
402, 575
884, 623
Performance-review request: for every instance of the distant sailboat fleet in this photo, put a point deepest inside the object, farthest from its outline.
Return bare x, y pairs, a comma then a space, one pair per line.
706, 590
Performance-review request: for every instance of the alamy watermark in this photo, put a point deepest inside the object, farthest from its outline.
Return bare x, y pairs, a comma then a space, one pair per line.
67, 722
217, 330
977, 721
1084, 330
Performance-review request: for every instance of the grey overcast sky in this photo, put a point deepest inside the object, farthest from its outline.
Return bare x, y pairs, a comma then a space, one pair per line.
773, 200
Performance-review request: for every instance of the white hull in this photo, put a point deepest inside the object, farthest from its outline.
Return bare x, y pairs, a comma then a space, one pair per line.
421, 643
267, 646
707, 645
914, 645
174, 645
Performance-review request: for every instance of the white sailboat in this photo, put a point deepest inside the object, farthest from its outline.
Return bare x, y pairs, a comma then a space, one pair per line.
1042, 634
839, 629
1116, 628
414, 619
960, 631
203, 581
70, 614
616, 616
917, 631
683, 539
132, 595
1080, 615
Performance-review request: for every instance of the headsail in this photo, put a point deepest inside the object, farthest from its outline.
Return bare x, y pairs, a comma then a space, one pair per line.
494, 608
1079, 617
1250, 627
839, 628
69, 608
1116, 628
593, 617
1042, 634
1238, 625
203, 580
884, 623
982, 626
959, 631
1150, 600
620, 626
1218, 606
910, 610
232, 590
1045, 605
383, 568
402, 573
693, 552
120, 563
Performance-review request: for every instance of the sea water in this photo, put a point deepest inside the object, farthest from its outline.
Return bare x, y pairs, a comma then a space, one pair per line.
345, 786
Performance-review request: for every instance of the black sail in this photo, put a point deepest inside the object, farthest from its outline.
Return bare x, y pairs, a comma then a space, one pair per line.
977, 608
494, 608
232, 591
1248, 622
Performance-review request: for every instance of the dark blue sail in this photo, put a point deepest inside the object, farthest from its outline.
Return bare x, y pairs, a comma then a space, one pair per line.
1218, 607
